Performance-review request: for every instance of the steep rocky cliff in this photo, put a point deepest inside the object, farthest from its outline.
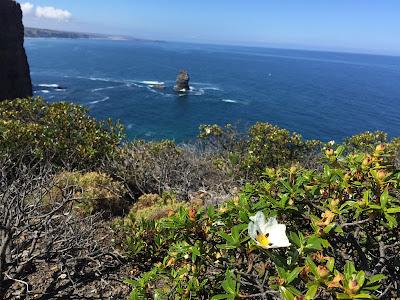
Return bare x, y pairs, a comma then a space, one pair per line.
15, 80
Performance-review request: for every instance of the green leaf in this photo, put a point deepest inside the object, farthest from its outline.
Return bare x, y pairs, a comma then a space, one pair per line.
339, 229
342, 296
328, 228
360, 278
131, 282
327, 171
225, 236
374, 206
220, 296
229, 285
286, 185
372, 287
312, 291
312, 266
376, 278
286, 294
392, 222
384, 198
366, 196
363, 296
226, 247
316, 243
293, 275
349, 270
281, 272
331, 264
295, 239
393, 210
339, 151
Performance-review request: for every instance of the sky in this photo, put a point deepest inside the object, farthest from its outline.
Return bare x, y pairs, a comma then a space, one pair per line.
368, 26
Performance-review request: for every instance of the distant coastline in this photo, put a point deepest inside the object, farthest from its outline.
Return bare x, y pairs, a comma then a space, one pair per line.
48, 33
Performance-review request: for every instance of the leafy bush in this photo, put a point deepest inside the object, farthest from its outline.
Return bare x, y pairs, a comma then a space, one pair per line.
366, 141
61, 132
270, 145
93, 192
140, 222
341, 220
265, 145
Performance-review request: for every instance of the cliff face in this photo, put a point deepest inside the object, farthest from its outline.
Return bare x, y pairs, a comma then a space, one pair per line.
15, 79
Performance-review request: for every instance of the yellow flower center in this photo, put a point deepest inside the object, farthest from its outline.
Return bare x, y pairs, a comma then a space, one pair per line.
263, 240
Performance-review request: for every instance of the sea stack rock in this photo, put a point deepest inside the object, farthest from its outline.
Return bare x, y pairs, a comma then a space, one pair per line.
182, 82
15, 79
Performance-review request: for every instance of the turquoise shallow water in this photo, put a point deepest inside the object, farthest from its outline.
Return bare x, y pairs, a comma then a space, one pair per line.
318, 94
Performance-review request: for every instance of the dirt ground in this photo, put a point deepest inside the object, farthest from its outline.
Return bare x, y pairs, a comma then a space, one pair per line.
52, 280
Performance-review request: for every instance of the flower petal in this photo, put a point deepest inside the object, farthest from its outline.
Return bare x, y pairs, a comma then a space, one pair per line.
259, 218
271, 234
271, 222
252, 229
277, 236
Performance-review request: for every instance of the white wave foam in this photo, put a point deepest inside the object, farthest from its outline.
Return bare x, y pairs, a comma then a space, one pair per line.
154, 91
130, 84
95, 78
101, 100
44, 91
99, 79
149, 82
194, 91
49, 85
212, 88
199, 93
230, 101
105, 88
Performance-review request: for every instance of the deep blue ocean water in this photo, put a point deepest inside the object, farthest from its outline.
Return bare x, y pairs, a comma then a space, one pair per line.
318, 94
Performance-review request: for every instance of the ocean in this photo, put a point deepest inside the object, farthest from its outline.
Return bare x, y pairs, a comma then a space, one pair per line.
321, 95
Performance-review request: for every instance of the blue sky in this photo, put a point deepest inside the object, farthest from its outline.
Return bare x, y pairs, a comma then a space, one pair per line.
339, 25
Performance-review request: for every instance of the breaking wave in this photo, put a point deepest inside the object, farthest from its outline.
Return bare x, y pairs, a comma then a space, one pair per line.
49, 85
101, 100
230, 101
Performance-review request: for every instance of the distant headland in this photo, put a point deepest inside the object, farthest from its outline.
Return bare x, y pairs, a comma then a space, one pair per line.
48, 33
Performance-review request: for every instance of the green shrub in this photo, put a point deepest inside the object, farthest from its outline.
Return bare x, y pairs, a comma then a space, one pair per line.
137, 229
270, 146
264, 145
93, 192
62, 132
366, 141
341, 220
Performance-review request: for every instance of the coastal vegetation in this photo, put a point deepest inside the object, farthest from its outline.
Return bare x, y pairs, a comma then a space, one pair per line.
262, 214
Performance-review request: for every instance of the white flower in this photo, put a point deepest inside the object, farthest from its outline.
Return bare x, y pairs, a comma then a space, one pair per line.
268, 234
331, 143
